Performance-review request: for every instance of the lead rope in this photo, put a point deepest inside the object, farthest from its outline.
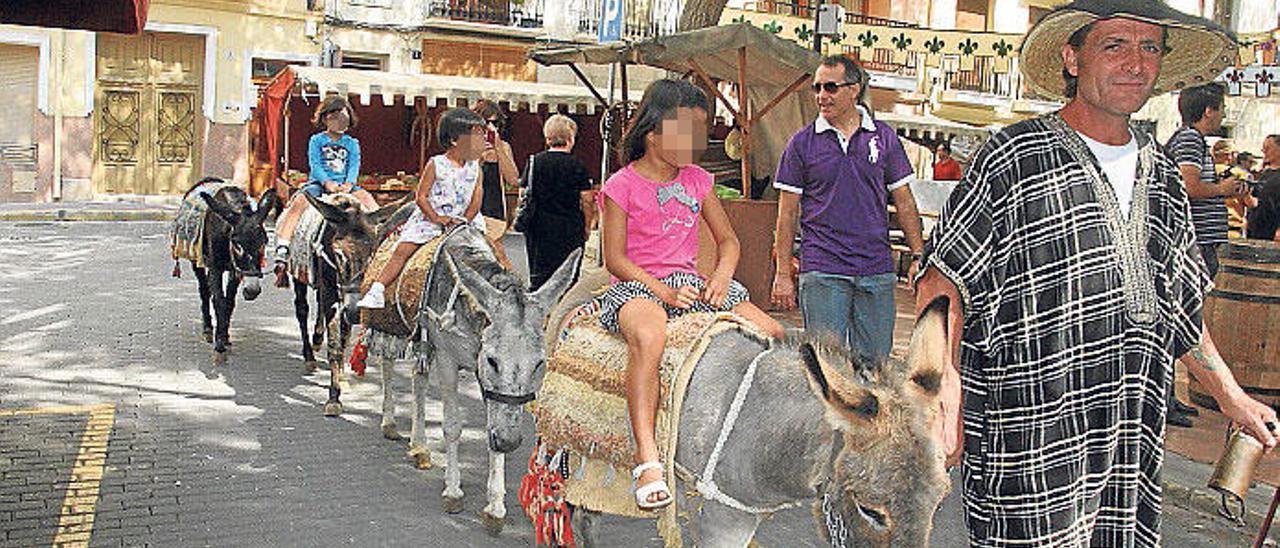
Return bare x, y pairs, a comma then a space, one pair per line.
443, 319
706, 484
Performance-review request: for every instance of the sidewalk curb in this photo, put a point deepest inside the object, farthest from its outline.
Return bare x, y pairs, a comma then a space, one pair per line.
87, 215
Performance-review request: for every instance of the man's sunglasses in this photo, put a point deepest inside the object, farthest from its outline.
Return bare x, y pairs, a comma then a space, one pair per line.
831, 87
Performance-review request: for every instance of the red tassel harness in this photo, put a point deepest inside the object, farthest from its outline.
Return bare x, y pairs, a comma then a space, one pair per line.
541, 496
359, 355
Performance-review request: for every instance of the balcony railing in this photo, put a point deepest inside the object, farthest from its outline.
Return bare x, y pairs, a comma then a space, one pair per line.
644, 18
804, 9
882, 60
981, 79
526, 14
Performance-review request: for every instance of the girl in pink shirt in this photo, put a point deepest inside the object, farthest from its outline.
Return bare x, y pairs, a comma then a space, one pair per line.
652, 208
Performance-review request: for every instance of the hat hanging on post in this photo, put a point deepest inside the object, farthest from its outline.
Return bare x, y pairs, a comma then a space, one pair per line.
733, 144
1198, 49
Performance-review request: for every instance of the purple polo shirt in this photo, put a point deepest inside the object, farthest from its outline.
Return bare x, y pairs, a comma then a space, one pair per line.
844, 190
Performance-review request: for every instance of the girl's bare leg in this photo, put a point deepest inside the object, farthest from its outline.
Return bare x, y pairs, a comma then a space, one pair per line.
401, 255
644, 324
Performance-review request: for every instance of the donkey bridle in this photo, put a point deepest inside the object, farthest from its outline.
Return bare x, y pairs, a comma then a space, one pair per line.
499, 397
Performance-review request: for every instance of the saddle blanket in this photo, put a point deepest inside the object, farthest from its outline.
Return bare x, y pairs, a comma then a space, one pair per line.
186, 234
581, 410
399, 316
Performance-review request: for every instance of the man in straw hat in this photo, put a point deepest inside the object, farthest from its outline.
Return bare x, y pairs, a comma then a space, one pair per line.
1069, 245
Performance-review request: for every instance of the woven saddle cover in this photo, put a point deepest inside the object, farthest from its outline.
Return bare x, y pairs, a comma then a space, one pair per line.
399, 316
186, 236
581, 410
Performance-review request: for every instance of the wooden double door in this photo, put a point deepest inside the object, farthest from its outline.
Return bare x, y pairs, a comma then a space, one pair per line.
148, 119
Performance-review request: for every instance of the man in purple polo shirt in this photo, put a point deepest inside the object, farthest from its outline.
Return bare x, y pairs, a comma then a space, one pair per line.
838, 173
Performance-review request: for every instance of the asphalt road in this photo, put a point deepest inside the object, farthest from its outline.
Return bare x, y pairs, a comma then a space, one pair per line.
184, 450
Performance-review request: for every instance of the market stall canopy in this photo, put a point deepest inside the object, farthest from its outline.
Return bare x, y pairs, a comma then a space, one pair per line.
432, 87
121, 16
775, 62
775, 74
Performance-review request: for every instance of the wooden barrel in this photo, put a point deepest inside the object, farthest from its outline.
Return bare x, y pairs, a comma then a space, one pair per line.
1243, 315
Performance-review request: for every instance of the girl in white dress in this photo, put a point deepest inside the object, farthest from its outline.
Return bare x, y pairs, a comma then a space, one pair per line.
449, 193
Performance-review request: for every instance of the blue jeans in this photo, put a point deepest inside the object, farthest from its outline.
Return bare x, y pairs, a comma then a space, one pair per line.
858, 310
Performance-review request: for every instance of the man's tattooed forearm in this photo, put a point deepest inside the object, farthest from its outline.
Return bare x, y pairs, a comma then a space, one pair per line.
1209, 363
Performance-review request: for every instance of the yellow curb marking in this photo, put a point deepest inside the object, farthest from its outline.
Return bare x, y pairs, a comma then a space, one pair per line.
75, 522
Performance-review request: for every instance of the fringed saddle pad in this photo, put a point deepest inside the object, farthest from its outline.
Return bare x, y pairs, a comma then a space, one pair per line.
399, 316
186, 236
304, 248
584, 454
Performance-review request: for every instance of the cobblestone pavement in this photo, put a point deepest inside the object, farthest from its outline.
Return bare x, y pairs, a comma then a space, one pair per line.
100, 354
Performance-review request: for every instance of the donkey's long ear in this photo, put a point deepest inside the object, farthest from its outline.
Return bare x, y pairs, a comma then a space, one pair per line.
484, 292
225, 212
550, 293
389, 217
927, 355
265, 205
330, 212
848, 405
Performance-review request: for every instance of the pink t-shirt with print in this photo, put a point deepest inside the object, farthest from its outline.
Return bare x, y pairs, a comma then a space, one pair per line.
662, 218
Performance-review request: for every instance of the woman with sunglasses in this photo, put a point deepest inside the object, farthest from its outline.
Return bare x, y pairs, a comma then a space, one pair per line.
498, 172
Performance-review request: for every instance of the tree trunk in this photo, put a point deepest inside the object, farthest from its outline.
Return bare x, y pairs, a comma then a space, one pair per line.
701, 14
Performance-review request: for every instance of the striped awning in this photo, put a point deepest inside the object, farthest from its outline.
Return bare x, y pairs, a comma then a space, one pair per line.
385, 86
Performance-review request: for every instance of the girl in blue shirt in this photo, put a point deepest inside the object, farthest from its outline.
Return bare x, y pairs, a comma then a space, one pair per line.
334, 159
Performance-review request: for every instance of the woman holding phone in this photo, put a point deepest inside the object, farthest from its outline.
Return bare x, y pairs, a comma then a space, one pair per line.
498, 170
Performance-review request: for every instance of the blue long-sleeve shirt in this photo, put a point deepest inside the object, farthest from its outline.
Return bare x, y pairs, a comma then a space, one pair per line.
333, 161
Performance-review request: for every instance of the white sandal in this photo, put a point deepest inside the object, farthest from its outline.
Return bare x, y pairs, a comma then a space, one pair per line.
656, 486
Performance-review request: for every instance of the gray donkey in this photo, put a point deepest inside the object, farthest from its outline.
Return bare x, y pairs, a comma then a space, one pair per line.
858, 446
479, 317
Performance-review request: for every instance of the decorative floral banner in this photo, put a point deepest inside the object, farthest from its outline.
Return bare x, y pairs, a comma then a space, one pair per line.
902, 42
1261, 77
1257, 64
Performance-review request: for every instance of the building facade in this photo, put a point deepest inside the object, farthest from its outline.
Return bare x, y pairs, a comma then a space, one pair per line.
101, 114
95, 114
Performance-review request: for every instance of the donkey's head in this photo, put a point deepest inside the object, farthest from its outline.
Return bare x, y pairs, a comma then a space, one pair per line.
512, 360
354, 238
888, 476
247, 239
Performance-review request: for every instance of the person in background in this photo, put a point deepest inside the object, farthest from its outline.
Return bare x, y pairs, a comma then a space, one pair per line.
946, 168
1227, 163
1264, 218
498, 172
562, 199
1202, 111
1247, 161
837, 175
1201, 108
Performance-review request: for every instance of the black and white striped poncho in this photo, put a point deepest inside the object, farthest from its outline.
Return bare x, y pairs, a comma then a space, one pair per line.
1074, 314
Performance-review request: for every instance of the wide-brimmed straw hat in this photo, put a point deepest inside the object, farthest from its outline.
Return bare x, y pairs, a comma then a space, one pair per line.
1199, 49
